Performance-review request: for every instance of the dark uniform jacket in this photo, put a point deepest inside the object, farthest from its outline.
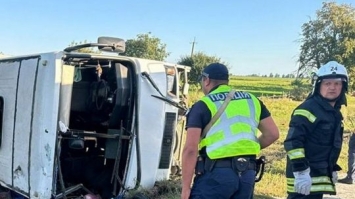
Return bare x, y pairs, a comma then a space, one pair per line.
314, 140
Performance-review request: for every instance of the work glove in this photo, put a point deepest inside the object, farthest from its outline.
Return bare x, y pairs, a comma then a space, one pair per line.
335, 177
303, 181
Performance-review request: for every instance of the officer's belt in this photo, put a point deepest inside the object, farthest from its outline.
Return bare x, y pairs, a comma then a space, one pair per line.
232, 162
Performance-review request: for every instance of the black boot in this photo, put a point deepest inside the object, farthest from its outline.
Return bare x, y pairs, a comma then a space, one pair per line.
346, 180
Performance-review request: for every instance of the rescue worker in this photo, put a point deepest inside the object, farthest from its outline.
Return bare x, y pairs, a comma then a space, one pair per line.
314, 139
350, 174
226, 163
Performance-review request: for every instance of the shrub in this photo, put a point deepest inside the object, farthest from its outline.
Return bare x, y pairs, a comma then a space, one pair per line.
300, 90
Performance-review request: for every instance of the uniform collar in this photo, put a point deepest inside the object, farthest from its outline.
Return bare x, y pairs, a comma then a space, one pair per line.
325, 104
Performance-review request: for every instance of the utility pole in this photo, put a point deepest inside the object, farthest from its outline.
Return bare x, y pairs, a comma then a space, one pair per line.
193, 46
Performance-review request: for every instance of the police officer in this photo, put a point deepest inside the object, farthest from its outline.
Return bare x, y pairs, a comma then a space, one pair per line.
314, 139
226, 164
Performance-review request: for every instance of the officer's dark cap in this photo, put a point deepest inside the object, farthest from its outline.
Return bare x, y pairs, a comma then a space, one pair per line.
216, 71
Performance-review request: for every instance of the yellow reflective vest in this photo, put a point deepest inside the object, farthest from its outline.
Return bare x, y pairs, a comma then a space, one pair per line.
235, 132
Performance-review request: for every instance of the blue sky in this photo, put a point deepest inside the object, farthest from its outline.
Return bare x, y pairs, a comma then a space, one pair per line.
252, 36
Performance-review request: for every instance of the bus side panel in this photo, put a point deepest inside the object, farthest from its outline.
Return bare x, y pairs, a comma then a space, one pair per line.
44, 127
22, 131
8, 88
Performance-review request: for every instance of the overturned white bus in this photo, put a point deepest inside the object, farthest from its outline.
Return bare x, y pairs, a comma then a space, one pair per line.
81, 123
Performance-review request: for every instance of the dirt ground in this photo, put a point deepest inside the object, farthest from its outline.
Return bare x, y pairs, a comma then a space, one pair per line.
344, 191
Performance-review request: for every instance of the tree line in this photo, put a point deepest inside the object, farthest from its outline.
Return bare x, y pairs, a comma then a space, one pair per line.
272, 75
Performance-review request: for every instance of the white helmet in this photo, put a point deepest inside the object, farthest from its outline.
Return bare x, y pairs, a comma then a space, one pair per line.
332, 69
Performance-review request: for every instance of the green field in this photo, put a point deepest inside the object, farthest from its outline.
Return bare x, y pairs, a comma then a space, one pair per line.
259, 86
262, 86
273, 183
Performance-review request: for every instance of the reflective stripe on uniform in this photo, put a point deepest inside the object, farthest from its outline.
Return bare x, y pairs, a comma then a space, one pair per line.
315, 188
296, 153
315, 180
216, 133
235, 132
319, 184
306, 114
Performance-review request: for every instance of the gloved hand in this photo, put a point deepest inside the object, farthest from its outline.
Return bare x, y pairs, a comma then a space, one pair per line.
303, 181
335, 177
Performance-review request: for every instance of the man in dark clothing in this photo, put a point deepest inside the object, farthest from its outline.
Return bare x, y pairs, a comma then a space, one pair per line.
350, 175
227, 153
314, 139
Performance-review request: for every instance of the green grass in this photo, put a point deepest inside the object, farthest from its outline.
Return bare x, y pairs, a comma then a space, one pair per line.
262, 86
273, 183
259, 86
